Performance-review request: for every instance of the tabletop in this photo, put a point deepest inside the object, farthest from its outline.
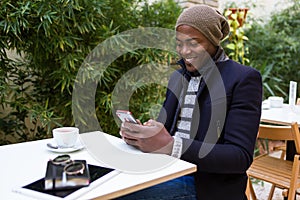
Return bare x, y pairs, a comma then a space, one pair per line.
284, 115
24, 163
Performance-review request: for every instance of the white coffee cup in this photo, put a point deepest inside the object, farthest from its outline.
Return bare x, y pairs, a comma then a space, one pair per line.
275, 102
65, 137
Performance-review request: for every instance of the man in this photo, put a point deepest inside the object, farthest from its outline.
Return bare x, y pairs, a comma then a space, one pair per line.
210, 116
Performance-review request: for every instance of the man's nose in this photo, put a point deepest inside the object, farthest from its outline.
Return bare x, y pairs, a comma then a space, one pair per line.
185, 50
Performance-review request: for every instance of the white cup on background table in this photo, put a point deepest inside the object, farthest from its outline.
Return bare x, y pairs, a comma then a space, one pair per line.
275, 102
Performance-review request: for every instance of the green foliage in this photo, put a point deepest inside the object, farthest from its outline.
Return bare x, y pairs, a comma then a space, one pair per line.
274, 49
54, 37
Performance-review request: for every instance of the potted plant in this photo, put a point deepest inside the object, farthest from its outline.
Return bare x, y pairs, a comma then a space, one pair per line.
236, 19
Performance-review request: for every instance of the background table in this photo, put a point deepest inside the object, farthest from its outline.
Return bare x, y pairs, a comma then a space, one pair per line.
284, 116
25, 162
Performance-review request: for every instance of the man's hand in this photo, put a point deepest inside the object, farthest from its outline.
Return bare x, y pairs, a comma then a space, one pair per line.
150, 137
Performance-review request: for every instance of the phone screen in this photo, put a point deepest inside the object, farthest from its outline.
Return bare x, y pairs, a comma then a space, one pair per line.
125, 115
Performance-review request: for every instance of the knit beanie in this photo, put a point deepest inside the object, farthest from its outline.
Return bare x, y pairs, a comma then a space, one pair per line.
209, 21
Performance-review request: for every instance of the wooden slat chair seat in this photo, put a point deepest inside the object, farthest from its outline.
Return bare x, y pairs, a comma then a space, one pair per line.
281, 173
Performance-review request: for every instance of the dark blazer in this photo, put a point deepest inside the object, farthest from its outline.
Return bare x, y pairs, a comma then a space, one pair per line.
224, 126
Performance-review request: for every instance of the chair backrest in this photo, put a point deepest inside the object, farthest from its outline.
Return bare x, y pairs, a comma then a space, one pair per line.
287, 133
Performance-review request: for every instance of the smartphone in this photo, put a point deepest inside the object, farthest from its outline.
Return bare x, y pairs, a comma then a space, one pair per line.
125, 115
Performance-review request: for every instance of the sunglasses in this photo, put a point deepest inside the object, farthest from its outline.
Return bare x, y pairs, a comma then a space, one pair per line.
71, 167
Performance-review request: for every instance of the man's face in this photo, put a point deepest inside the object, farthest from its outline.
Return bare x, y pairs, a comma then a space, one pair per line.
193, 47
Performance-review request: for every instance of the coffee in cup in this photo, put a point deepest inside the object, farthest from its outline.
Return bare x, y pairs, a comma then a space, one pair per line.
66, 137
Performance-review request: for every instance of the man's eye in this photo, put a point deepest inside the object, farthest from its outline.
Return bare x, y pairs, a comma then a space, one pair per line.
193, 44
178, 44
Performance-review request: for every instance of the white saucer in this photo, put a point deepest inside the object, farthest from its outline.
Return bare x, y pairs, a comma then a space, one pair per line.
77, 147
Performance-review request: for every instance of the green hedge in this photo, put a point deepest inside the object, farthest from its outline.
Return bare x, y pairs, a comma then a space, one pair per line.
274, 48
54, 38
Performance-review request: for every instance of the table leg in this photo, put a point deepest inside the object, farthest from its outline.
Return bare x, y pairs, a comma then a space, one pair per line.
290, 150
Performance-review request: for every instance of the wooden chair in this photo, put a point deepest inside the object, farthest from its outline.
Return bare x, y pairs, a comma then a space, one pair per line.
281, 173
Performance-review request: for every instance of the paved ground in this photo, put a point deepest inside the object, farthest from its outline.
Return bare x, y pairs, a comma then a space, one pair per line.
262, 192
